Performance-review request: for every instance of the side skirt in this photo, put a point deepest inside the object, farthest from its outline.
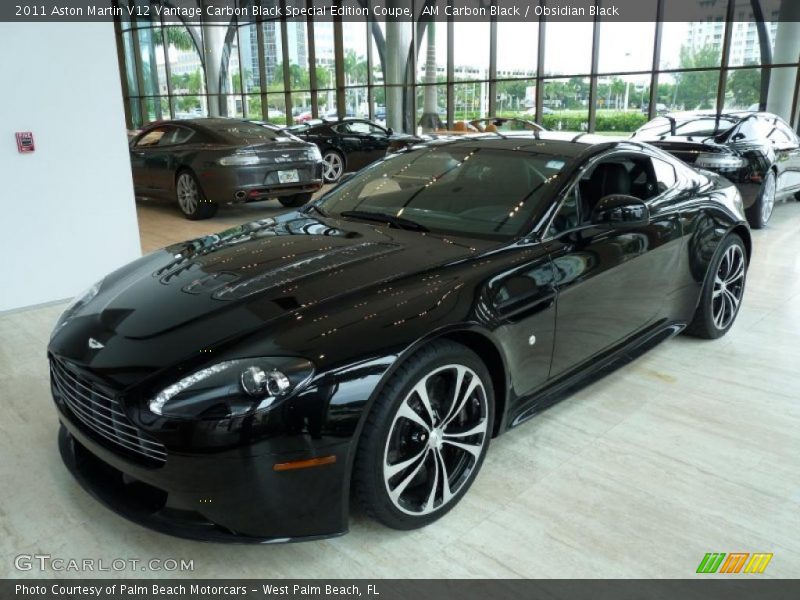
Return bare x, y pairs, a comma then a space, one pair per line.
593, 370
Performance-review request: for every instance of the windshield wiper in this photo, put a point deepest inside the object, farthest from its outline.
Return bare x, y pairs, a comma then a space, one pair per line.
399, 222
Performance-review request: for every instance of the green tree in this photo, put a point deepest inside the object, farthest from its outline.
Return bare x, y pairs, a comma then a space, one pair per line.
745, 87
697, 89
176, 36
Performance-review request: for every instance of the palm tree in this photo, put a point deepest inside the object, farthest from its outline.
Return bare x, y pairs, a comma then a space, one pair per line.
430, 115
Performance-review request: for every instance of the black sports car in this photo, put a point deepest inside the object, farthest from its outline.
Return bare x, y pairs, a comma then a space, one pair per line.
202, 163
758, 151
505, 125
350, 144
240, 386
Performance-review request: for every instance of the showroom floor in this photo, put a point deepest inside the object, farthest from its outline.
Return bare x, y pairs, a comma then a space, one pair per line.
693, 448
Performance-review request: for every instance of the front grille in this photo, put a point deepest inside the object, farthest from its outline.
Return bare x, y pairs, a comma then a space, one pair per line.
97, 408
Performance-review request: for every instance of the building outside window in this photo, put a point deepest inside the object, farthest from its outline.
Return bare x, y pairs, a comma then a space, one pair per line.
592, 76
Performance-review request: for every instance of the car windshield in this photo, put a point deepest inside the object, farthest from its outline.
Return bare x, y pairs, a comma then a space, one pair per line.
700, 126
477, 192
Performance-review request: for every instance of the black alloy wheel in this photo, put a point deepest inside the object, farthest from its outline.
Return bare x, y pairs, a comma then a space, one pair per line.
426, 437
722, 291
759, 214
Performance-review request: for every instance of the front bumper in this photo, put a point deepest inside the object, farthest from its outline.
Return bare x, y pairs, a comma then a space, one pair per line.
252, 183
230, 496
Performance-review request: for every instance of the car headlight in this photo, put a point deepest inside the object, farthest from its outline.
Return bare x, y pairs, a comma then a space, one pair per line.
233, 388
719, 161
241, 159
314, 154
77, 303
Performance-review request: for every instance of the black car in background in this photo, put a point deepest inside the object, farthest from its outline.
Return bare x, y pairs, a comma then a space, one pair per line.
505, 125
757, 151
202, 163
241, 386
350, 144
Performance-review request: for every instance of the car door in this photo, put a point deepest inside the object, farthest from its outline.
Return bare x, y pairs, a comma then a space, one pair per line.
161, 159
141, 152
365, 142
350, 143
375, 140
612, 283
522, 299
787, 156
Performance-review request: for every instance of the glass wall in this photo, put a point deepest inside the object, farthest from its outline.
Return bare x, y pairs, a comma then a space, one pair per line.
596, 76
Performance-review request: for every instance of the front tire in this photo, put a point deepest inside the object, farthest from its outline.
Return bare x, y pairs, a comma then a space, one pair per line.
759, 214
191, 200
332, 166
425, 437
295, 201
722, 291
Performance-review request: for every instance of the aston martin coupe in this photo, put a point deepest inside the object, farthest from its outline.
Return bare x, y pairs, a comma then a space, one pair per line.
350, 144
201, 164
758, 151
242, 386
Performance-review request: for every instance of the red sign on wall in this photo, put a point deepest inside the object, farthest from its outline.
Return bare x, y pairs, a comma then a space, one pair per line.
25, 141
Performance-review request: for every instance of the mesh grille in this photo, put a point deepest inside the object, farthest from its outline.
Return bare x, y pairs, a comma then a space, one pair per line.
97, 409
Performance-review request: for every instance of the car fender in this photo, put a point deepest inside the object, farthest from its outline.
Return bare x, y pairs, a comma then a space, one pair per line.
455, 332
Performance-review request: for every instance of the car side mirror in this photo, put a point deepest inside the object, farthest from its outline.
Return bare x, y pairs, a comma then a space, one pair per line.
619, 211
390, 131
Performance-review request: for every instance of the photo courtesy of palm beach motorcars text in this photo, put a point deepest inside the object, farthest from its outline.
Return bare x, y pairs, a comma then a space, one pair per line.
400, 298
158, 590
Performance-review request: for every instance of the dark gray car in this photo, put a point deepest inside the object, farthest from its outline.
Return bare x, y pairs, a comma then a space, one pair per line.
202, 163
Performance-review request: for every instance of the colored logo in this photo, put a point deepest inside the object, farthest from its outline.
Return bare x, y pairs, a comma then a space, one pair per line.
735, 562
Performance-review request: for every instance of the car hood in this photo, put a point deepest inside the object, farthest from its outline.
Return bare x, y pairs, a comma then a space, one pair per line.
193, 296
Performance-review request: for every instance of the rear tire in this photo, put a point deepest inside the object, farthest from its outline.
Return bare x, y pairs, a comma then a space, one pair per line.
430, 424
759, 214
722, 292
296, 200
193, 203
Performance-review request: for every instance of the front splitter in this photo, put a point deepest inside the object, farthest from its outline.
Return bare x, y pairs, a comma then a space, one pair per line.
145, 505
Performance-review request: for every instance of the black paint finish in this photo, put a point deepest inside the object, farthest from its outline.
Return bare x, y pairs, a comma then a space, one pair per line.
763, 140
547, 310
359, 141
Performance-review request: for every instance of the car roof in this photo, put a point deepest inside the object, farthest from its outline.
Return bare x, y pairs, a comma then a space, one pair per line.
335, 120
699, 114
203, 121
558, 143
207, 124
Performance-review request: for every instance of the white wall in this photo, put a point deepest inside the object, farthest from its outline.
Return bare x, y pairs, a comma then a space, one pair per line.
67, 212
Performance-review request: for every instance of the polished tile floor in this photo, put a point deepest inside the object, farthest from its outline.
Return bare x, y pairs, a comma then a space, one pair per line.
693, 448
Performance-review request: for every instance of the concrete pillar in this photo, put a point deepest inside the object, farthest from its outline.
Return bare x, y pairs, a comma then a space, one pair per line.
787, 50
398, 42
